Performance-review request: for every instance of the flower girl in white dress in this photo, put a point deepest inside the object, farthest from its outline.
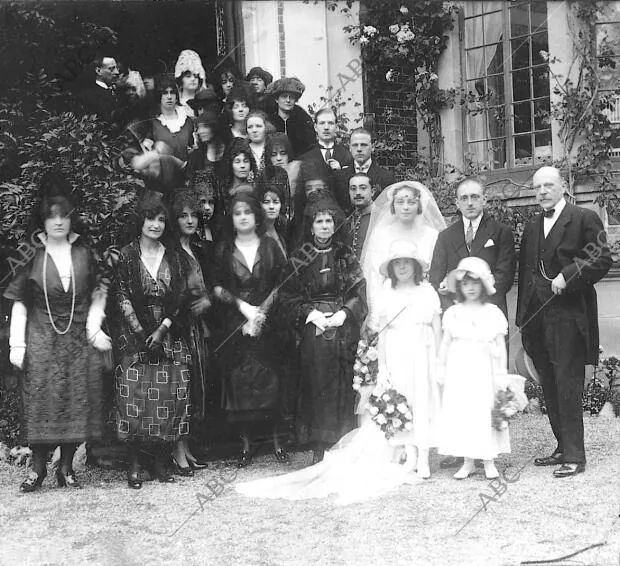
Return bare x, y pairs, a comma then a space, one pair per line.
407, 319
472, 357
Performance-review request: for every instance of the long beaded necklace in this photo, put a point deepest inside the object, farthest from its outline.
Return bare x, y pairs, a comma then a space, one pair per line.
47, 301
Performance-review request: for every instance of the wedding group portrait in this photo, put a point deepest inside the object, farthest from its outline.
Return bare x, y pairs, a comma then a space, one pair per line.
310, 282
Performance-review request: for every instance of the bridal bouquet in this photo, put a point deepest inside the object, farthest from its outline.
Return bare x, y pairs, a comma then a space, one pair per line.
390, 412
366, 364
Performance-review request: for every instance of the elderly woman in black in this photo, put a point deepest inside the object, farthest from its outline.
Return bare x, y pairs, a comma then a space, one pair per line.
54, 337
323, 297
247, 269
152, 356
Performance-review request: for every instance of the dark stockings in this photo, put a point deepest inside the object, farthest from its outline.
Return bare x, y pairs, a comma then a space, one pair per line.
39, 458
67, 451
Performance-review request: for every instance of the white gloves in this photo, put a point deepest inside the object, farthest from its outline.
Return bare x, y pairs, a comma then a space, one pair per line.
17, 334
17, 355
96, 314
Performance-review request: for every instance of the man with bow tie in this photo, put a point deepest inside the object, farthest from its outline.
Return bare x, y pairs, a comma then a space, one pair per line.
360, 146
328, 156
477, 234
563, 254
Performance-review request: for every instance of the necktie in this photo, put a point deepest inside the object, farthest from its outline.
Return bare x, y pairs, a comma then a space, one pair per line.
328, 153
469, 236
549, 213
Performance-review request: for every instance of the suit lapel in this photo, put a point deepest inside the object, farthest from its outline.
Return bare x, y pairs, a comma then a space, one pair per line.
458, 240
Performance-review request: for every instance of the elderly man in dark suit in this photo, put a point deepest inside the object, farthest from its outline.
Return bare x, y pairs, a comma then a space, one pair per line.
328, 156
476, 234
564, 253
360, 146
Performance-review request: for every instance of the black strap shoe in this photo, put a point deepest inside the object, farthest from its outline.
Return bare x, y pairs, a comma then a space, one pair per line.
67, 480
32, 482
134, 481
555, 459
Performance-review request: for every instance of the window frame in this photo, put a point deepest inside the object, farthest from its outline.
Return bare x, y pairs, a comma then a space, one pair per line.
508, 95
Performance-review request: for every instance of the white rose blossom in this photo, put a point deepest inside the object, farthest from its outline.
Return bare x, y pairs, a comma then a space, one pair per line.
404, 10
397, 423
374, 410
381, 419
402, 408
364, 40
394, 28
389, 76
370, 30
389, 409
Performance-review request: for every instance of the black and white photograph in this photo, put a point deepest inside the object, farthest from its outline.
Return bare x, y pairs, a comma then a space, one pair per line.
310, 282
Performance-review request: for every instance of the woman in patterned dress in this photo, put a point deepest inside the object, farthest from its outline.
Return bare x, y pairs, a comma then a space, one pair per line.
55, 334
152, 356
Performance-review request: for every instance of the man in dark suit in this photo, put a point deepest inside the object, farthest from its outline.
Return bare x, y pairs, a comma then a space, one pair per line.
360, 146
99, 97
328, 156
563, 254
476, 234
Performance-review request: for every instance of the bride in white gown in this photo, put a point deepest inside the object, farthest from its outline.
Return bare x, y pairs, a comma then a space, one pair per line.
363, 464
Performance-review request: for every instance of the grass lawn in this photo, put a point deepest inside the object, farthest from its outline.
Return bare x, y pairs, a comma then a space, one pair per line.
536, 518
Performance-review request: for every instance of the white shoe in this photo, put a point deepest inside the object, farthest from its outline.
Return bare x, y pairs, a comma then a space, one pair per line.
490, 471
424, 471
464, 473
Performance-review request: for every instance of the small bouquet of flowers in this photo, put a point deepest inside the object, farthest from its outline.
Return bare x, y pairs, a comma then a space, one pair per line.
366, 364
390, 412
509, 400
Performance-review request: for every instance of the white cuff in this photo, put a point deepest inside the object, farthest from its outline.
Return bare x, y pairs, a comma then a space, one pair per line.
17, 333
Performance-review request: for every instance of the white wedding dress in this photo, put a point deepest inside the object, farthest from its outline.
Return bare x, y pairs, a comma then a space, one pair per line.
359, 467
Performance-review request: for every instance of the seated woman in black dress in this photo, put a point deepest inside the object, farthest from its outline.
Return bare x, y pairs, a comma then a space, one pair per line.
324, 299
246, 274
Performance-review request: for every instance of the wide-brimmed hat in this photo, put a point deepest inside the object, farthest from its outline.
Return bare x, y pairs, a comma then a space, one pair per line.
261, 74
286, 84
474, 267
204, 98
403, 249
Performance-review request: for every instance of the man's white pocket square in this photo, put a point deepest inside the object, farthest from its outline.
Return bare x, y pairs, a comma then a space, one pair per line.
489, 243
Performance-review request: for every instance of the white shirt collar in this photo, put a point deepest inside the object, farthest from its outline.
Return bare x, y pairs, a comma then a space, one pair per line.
475, 223
327, 145
102, 84
559, 207
364, 166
